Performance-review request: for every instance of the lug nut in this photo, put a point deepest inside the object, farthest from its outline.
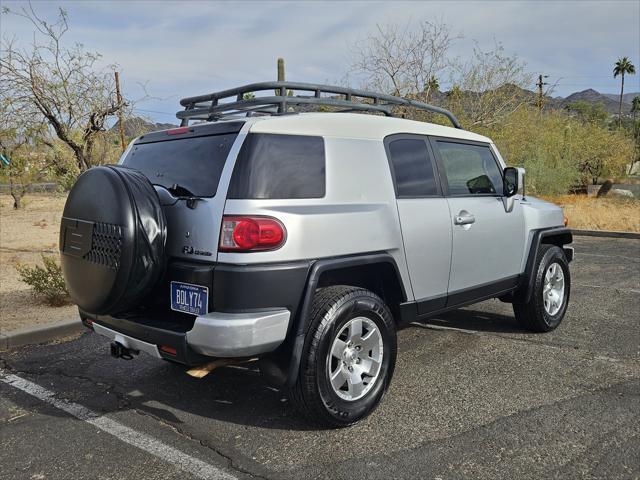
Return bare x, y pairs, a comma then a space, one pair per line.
351, 369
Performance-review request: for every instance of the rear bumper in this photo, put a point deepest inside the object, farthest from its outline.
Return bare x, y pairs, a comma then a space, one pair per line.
219, 334
216, 334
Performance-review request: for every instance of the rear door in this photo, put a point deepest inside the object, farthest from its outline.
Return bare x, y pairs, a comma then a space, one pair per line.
189, 162
424, 218
487, 240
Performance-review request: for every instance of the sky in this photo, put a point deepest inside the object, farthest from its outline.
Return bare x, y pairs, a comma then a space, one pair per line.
183, 48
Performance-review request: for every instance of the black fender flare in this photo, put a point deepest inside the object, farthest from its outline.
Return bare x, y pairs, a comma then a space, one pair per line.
299, 332
559, 236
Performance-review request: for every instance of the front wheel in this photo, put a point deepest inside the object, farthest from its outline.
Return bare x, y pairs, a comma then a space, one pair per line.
348, 358
550, 296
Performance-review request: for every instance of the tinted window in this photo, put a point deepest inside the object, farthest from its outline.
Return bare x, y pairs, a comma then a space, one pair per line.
279, 166
195, 164
470, 169
412, 168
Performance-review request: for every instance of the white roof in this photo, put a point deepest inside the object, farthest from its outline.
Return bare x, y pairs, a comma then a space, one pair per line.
354, 125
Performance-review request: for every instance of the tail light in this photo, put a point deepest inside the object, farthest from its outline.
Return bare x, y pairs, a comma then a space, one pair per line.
179, 131
250, 234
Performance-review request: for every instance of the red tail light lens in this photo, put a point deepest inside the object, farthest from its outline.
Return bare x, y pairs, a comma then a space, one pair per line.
178, 131
249, 234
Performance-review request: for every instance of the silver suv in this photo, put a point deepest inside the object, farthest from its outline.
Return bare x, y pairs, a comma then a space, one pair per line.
306, 240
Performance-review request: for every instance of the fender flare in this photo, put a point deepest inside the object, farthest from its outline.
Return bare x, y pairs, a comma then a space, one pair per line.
559, 236
318, 268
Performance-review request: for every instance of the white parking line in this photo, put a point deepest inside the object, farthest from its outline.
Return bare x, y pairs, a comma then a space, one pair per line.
128, 435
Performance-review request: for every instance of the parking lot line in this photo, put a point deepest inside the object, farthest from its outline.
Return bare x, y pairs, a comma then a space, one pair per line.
151, 445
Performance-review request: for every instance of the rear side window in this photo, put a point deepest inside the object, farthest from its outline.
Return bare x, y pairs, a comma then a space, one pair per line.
412, 168
279, 166
193, 164
470, 169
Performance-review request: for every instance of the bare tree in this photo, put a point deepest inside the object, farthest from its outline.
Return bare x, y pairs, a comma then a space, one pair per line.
64, 85
403, 60
490, 86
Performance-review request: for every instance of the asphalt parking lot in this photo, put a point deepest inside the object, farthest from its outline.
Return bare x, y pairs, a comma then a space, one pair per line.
473, 396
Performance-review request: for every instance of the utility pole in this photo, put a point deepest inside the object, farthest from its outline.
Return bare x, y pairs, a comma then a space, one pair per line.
540, 84
120, 116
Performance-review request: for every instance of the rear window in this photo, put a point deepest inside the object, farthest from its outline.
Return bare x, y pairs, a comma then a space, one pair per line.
279, 166
194, 164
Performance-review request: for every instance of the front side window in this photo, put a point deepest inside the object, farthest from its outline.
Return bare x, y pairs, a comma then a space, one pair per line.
469, 169
271, 166
412, 168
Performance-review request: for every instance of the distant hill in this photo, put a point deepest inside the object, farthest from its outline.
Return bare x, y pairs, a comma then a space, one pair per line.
135, 126
591, 96
626, 98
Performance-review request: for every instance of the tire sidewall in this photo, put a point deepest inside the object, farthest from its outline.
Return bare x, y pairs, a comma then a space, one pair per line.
552, 255
372, 308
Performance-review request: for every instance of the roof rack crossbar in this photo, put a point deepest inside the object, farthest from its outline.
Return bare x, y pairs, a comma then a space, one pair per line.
209, 107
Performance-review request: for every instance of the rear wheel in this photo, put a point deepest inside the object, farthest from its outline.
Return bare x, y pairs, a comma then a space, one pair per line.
348, 358
550, 296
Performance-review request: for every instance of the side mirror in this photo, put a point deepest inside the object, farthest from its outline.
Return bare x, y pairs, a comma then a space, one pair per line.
511, 184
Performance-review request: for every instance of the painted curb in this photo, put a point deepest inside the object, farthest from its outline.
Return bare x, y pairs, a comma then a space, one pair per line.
40, 333
605, 233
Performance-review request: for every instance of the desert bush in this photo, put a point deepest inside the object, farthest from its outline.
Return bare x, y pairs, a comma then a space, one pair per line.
558, 151
46, 280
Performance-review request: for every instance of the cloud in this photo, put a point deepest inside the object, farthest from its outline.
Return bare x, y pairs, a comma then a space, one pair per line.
190, 47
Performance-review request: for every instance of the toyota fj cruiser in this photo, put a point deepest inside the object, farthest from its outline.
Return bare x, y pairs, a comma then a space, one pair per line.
305, 240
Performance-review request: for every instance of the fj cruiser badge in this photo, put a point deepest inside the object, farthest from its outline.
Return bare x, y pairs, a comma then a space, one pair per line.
189, 250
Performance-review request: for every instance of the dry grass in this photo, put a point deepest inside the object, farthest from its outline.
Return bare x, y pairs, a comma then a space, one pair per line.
591, 213
24, 235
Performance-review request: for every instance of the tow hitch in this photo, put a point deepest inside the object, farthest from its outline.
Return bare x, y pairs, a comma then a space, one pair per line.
120, 351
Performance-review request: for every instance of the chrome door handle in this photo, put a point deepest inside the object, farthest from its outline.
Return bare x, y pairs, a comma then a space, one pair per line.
464, 218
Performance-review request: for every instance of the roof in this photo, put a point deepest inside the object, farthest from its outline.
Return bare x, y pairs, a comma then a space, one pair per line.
354, 125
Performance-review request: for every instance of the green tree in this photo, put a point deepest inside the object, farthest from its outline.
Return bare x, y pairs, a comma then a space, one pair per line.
622, 67
635, 106
588, 112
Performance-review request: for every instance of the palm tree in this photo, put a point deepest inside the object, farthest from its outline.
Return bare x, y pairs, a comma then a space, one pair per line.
621, 67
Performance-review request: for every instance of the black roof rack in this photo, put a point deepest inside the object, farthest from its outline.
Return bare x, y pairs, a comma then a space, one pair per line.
208, 107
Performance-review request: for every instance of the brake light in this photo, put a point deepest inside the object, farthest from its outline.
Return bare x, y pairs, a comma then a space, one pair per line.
244, 234
178, 131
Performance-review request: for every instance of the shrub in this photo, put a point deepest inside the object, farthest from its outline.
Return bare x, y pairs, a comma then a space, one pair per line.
47, 281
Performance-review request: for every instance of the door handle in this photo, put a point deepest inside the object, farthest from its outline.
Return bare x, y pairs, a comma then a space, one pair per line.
464, 218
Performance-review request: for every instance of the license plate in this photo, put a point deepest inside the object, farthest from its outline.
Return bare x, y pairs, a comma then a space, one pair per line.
187, 298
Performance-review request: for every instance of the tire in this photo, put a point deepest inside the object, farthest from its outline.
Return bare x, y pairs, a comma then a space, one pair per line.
544, 311
112, 239
335, 313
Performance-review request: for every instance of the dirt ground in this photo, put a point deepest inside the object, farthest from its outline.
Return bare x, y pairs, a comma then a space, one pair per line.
24, 235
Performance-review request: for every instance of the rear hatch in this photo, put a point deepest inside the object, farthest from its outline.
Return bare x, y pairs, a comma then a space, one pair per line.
185, 166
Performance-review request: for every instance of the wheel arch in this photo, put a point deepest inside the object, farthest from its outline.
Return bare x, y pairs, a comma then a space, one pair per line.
558, 236
377, 272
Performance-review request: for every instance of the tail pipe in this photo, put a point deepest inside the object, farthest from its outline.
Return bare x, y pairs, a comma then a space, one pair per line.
120, 351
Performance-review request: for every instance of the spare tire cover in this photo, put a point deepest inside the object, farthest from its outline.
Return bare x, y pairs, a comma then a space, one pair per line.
112, 239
